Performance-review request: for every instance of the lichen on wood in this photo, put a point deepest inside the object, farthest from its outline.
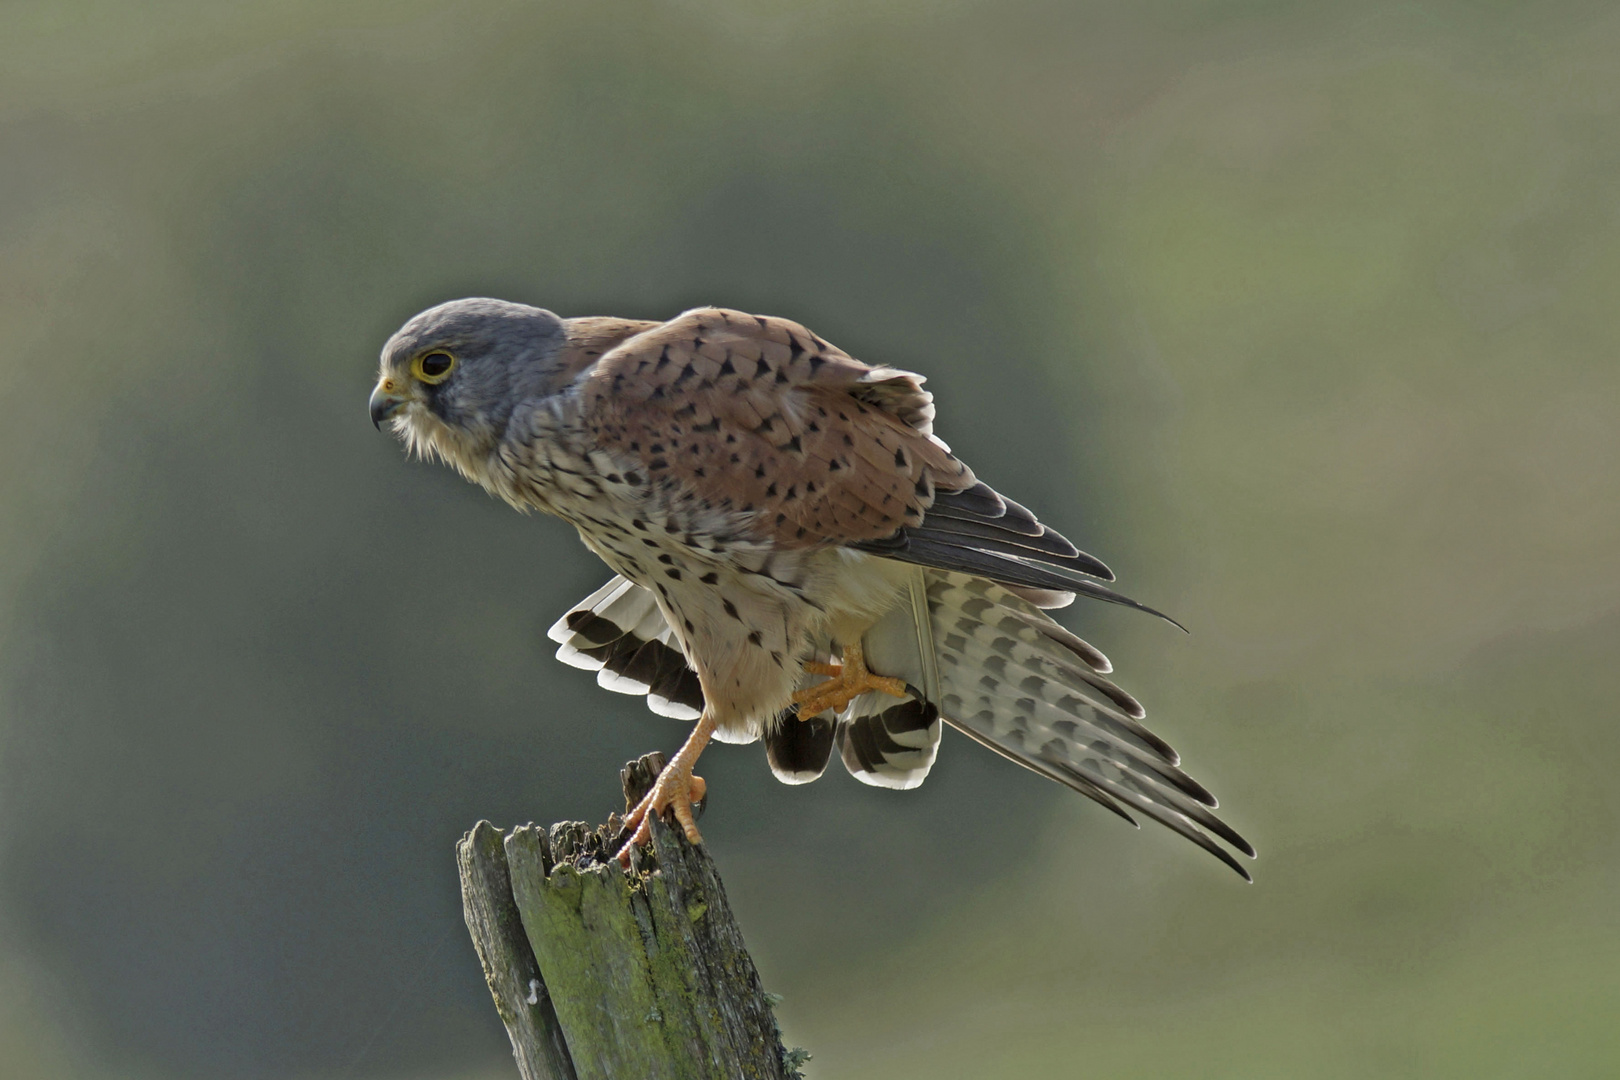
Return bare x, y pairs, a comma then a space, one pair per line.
645, 971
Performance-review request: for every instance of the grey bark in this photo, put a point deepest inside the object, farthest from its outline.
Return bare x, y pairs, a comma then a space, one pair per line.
510, 968
602, 973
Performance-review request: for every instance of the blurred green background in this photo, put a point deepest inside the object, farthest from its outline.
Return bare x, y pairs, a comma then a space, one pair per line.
1301, 315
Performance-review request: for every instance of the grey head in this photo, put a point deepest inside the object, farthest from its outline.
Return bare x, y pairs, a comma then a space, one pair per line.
452, 376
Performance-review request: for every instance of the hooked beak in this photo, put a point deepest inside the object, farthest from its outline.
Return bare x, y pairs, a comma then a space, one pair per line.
387, 399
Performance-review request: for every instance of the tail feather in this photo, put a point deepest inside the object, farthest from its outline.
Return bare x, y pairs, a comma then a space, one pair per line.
889, 742
892, 742
1175, 821
1013, 620
798, 750
1012, 684
1036, 765
1031, 653
974, 696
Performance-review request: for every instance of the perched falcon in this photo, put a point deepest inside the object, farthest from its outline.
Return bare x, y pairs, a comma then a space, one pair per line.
799, 558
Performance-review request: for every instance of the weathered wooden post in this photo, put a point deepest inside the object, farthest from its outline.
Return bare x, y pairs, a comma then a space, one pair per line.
602, 973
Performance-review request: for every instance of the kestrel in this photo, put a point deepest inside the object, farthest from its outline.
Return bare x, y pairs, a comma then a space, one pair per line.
799, 558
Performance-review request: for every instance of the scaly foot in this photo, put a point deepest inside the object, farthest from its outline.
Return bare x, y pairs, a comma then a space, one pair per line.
849, 681
676, 789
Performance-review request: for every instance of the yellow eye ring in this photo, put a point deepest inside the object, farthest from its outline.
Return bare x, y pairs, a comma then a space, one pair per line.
433, 367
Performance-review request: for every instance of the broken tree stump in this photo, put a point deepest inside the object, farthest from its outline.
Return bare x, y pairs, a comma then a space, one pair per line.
598, 972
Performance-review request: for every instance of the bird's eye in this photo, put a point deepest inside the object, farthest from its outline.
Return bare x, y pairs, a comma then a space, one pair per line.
433, 367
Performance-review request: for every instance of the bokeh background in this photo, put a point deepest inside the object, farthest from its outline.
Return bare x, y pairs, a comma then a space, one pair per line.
1301, 315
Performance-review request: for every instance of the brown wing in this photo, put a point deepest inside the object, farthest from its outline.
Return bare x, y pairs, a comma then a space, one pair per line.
759, 415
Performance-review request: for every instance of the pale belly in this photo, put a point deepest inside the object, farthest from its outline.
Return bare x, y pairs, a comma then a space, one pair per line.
746, 614
749, 617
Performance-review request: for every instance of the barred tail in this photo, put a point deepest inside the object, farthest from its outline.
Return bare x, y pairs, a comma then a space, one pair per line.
1001, 671
1014, 680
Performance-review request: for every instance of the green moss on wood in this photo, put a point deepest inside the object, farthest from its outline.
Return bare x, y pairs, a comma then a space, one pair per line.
647, 970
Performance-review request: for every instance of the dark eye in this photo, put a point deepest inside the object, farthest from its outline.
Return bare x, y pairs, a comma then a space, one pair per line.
434, 366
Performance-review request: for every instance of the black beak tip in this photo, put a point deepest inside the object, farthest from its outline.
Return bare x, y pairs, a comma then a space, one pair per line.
382, 408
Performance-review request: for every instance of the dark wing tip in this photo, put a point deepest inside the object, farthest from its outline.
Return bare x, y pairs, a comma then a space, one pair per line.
1006, 569
980, 500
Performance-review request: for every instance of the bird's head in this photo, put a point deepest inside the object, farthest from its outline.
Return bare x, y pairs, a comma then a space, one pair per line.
452, 376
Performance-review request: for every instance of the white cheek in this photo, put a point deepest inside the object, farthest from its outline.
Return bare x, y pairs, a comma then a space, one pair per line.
422, 432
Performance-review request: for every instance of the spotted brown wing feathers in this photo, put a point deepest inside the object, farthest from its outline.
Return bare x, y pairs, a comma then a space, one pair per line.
761, 417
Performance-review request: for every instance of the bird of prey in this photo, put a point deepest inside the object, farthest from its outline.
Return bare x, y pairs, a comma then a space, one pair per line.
798, 557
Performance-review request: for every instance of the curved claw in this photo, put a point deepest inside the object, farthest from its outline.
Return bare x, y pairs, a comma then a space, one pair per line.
676, 789
673, 791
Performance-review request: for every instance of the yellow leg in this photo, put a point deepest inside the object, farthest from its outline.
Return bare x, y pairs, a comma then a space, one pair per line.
676, 789
850, 679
